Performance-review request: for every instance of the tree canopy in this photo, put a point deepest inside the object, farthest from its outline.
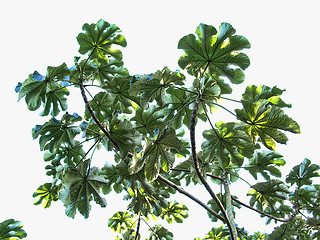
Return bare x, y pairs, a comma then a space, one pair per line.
149, 121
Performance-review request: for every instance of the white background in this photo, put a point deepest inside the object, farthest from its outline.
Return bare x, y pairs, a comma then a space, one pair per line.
35, 34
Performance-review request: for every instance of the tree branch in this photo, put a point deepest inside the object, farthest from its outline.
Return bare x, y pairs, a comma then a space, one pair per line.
182, 191
197, 168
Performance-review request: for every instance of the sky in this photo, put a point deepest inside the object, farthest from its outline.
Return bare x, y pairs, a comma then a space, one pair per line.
35, 34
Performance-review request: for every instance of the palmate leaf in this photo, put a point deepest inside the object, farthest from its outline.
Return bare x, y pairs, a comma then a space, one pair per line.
267, 194
154, 88
81, 185
146, 121
39, 89
227, 143
159, 232
215, 51
158, 153
264, 122
283, 232
175, 212
304, 196
54, 133
265, 163
302, 173
121, 221
97, 39
254, 94
102, 106
45, 194
11, 229
108, 70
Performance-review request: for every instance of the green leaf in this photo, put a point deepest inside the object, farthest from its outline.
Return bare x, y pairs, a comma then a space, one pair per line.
102, 106
283, 232
265, 163
159, 232
159, 153
267, 194
254, 94
154, 88
227, 143
124, 135
54, 133
175, 212
304, 196
146, 121
302, 173
97, 39
11, 229
110, 69
81, 184
38, 89
45, 194
265, 121
215, 51
121, 221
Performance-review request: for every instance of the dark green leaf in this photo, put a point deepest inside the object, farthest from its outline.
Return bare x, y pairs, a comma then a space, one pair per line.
97, 39
265, 163
304, 196
11, 229
54, 133
302, 173
159, 232
267, 194
102, 105
46, 90
81, 184
112, 68
215, 52
265, 121
227, 143
146, 121
45, 194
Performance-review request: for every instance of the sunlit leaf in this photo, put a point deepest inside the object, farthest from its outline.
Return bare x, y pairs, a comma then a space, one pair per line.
264, 122
102, 105
215, 51
45, 194
159, 232
175, 212
121, 221
108, 70
11, 230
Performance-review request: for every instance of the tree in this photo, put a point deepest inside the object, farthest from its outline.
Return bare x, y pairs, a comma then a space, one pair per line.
143, 120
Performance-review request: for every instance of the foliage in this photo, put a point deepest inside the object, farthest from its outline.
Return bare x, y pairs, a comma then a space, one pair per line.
11, 229
143, 119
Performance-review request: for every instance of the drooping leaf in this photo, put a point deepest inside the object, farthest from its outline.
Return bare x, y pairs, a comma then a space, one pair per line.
283, 232
39, 89
97, 39
227, 143
54, 133
215, 51
254, 94
45, 194
158, 153
267, 194
11, 230
121, 221
159, 232
302, 173
265, 163
81, 185
265, 121
111, 173
167, 77
175, 212
146, 121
